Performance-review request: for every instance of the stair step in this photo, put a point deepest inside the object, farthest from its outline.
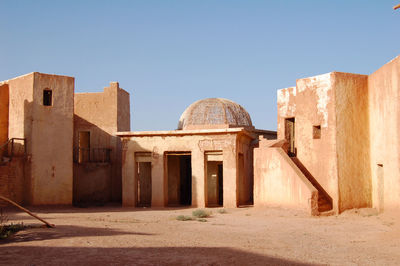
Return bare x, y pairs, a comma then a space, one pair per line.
324, 207
327, 213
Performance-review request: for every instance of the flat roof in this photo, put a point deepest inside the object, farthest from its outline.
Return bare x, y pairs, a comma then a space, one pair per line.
186, 132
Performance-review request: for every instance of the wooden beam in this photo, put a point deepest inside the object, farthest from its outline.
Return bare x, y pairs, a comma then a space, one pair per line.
396, 7
25, 210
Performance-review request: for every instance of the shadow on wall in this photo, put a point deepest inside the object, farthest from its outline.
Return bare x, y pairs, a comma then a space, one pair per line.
138, 256
97, 173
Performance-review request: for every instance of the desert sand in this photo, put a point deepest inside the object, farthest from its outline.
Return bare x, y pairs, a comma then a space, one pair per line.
243, 236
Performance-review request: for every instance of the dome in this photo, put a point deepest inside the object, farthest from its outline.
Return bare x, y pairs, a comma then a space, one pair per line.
214, 113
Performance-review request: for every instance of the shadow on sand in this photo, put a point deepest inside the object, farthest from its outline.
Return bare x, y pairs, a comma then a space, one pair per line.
38, 233
33, 255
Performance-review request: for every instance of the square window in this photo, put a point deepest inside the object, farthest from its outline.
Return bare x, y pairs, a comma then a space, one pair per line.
317, 132
47, 97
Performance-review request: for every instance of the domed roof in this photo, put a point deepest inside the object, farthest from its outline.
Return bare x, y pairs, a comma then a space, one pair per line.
214, 113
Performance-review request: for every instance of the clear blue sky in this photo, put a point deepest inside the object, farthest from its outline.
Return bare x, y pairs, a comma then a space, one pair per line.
168, 54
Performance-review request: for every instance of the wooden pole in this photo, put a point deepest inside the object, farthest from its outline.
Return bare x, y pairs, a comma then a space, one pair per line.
396, 7
25, 210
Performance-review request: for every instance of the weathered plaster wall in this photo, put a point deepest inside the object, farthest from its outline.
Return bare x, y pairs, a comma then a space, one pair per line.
51, 140
94, 184
20, 121
197, 145
278, 181
312, 103
20, 107
352, 140
3, 115
103, 114
12, 181
384, 112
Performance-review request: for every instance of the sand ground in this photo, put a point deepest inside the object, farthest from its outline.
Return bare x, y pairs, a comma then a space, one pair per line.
243, 236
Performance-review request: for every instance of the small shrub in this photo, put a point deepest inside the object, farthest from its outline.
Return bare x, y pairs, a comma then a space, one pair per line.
201, 213
184, 218
7, 230
222, 211
202, 220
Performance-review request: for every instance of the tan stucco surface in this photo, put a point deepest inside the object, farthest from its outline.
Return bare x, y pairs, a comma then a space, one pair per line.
103, 114
12, 181
384, 112
352, 140
94, 184
52, 129
337, 104
48, 134
312, 103
278, 182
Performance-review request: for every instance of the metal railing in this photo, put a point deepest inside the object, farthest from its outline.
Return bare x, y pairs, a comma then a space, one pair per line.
13, 147
94, 155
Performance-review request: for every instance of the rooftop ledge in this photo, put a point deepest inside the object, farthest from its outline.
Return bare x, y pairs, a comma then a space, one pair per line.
186, 132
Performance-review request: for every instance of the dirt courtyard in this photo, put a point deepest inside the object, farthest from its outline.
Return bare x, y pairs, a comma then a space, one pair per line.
243, 236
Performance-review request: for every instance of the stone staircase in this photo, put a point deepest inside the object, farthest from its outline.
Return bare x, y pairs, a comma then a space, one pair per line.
325, 206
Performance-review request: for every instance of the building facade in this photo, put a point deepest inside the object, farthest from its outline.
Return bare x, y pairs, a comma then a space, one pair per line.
206, 162
337, 145
37, 129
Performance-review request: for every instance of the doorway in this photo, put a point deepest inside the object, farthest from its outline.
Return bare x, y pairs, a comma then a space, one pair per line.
290, 136
179, 178
143, 184
214, 179
143, 179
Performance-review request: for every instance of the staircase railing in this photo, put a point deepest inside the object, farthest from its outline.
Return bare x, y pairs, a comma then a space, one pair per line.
13, 147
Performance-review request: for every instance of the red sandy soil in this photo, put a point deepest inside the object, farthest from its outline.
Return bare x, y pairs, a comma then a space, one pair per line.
243, 236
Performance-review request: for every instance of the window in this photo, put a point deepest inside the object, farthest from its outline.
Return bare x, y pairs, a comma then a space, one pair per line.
47, 97
317, 132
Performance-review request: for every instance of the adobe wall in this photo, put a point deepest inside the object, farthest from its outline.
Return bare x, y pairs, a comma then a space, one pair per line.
3, 115
20, 107
20, 121
279, 182
51, 140
352, 140
94, 184
12, 181
312, 103
197, 145
384, 112
103, 114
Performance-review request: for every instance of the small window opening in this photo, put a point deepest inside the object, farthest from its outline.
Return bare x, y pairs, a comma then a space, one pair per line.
317, 132
47, 97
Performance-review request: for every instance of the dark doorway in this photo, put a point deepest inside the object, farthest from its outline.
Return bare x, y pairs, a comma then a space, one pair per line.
290, 136
179, 179
220, 185
143, 184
